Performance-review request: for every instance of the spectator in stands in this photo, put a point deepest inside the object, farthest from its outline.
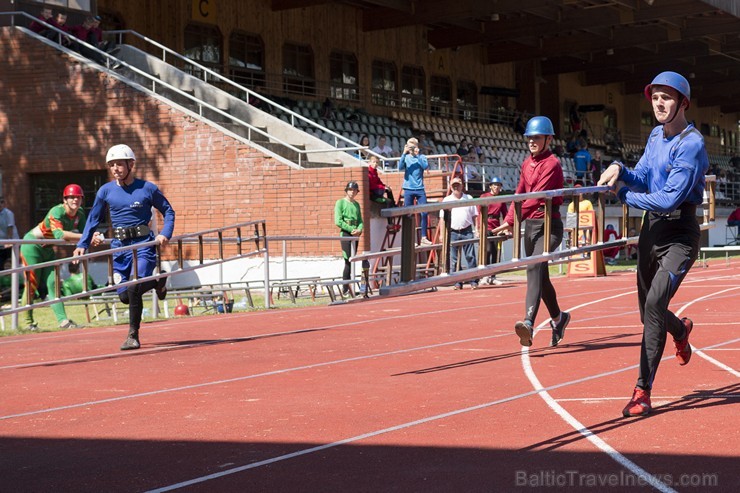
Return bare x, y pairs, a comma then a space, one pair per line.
668, 184
382, 148
379, 191
610, 254
62, 222
327, 109
74, 284
7, 232
463, 227
129, 201
582, 160
583, 203
463, 149
362, 154
46, 16
575, 118
596, 164
519, 126
541, 171
477, 150
722, 185
425, 147
61, 21
348, 218
735, 161
571, 147
413, 164
473, 178
86, 33
495, 213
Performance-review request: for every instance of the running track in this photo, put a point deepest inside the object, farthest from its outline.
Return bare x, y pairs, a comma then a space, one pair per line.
429, 392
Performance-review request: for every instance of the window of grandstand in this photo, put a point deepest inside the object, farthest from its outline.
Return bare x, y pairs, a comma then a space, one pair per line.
298, 69
413, 88
46, 190
84, 5
385, 77
467, 100
440, 90
246, 59
204, 44
343, 75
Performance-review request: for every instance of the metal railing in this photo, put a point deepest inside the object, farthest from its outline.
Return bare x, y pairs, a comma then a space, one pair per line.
201, 105
409, 248
212, 239
241, 92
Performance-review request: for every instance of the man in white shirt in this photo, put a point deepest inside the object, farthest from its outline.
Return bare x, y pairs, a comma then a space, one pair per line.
462, 225
383, 149
7, 232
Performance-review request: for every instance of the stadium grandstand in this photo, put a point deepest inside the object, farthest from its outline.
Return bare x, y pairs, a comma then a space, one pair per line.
246, 110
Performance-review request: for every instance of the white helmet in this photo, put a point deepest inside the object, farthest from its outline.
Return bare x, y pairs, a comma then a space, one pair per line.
120, 151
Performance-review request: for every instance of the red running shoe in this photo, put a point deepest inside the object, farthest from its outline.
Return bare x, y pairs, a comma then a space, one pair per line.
683, 348
639, 405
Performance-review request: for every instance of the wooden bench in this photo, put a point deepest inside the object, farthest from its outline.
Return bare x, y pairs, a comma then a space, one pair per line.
726, 249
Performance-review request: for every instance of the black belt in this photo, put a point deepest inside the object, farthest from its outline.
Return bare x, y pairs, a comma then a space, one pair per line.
684, 210
131, 232
463, 230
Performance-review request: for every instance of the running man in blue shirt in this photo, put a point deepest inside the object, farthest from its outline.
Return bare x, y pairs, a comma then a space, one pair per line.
668, 184
130, 201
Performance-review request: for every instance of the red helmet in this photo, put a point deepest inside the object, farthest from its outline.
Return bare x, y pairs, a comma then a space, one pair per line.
182, 310
73, 190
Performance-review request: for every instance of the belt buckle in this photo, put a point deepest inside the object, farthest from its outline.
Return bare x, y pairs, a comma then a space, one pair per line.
120, 233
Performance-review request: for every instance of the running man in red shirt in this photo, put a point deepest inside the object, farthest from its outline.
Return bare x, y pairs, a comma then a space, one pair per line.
540, 171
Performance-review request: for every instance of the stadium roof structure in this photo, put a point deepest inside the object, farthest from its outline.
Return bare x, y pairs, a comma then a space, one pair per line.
608, 41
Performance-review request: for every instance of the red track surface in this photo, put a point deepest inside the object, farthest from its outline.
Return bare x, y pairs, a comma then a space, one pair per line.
428, 392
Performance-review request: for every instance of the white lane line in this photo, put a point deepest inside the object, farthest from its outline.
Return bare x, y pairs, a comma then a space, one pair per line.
715, 362
402, 426
578, 426
701, 353
248, 377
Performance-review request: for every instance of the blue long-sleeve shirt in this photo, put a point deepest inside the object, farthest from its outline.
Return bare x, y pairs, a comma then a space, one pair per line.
129, 205
413, 171
669, 173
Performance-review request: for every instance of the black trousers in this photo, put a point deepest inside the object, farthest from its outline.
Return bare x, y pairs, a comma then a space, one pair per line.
539, 286
667, 249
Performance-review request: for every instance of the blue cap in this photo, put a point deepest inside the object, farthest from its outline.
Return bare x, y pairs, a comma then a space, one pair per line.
496, 179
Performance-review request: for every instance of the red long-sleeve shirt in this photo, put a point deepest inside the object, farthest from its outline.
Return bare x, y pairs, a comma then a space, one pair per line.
539, 173
495, 211
374, 180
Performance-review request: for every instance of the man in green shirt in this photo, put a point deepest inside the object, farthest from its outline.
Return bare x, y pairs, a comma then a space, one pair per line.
348, 218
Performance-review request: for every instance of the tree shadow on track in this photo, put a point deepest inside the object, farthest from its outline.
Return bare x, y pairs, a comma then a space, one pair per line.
587, 345
697, 399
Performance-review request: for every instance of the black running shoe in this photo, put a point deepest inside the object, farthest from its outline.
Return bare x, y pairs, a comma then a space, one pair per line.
525, 331
558, 330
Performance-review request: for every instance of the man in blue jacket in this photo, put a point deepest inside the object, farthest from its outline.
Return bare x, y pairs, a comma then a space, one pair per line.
130, 201
413, 164
667, 183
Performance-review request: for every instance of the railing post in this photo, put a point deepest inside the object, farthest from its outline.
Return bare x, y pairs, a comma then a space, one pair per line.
267, 275
548, 225
444, 255
483, 236
517, 253
408, 248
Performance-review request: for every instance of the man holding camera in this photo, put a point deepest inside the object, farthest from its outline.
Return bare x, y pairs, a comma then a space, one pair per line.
413, 164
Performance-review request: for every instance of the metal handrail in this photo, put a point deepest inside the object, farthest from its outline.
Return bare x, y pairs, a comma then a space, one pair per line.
110, 60
409, 284
247, 92
259, 237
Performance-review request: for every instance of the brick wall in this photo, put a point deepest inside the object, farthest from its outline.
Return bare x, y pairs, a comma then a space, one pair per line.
59, 115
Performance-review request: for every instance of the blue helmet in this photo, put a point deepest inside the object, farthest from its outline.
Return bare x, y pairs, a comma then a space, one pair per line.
539, 125
495, 180
670, 79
